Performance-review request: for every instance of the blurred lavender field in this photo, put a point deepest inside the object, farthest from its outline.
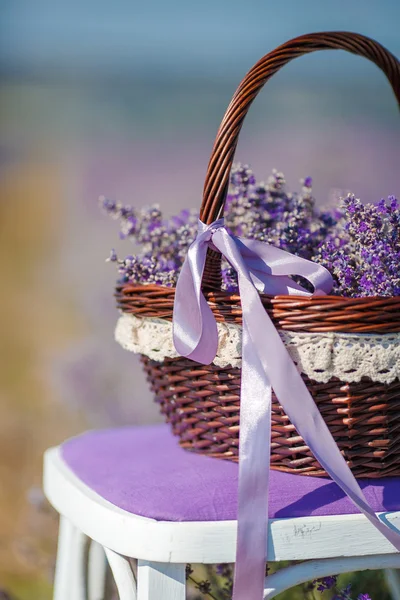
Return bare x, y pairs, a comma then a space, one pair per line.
126, 104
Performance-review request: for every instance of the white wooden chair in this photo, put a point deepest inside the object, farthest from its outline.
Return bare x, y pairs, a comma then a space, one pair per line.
133, 493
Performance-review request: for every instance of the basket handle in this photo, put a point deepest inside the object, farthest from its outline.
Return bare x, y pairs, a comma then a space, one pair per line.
219, 167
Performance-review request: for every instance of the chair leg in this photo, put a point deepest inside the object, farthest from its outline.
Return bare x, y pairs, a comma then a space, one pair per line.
70, 568
393, 581
97, 566
123, 575
161, 580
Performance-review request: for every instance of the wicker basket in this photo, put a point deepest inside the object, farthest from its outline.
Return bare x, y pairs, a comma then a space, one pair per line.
202, 403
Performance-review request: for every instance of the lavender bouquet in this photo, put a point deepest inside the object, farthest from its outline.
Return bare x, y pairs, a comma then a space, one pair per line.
359, 244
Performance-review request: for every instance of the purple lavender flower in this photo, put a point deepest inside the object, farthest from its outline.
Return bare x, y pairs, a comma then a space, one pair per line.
344, 594
326, 583
113, 256
307, 182
188, 571
362, 251
224, 570
359, 244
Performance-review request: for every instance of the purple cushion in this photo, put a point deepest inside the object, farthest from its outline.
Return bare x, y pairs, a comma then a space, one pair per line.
144, 471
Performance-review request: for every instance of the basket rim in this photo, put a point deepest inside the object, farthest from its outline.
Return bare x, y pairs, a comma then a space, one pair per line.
326, 298
311, 314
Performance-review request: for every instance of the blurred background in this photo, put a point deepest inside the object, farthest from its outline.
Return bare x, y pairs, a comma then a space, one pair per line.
124, 98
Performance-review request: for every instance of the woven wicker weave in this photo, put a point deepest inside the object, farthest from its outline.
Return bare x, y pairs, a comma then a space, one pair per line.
202, 403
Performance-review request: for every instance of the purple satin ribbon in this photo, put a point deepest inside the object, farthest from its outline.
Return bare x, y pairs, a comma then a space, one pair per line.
266, 365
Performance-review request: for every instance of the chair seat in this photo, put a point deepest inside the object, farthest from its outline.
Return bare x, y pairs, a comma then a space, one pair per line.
143, 471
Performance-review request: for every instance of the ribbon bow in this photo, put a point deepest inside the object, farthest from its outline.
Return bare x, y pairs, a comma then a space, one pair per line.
266, 364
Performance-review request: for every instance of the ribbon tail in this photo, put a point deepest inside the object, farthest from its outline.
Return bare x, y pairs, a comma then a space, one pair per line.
254, 456
301, 409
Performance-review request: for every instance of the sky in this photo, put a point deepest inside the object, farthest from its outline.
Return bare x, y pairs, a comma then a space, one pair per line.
156, 37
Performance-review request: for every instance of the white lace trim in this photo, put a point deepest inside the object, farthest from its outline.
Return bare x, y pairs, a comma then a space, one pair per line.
321, 356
